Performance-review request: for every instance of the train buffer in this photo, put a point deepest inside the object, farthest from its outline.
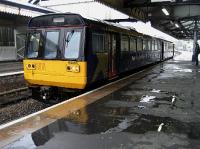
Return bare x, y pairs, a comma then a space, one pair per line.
154, 108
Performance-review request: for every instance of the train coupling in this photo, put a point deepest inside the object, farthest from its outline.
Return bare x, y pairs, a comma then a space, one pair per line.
46, 93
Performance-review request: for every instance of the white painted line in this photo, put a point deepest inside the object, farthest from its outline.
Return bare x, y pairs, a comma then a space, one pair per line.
11, 73
71, 99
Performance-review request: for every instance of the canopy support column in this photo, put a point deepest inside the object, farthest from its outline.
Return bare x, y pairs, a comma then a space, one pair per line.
195, 40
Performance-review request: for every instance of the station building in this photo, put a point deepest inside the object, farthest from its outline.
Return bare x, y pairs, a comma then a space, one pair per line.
14, 17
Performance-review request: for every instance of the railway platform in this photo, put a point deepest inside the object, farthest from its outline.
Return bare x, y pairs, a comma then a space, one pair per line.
9, 68
155, 108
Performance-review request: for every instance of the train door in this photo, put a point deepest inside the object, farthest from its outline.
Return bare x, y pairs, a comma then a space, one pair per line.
113, 56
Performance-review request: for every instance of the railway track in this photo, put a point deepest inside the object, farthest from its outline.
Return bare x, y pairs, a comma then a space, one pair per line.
14, 95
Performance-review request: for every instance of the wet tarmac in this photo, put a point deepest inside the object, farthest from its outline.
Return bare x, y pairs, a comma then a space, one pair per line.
159, 111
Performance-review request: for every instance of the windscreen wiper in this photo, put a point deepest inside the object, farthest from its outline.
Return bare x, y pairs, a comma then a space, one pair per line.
69, 37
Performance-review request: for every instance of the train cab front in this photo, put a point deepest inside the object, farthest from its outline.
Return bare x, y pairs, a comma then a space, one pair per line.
55, 57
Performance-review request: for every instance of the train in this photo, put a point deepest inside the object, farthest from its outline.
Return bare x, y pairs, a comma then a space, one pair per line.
65, 51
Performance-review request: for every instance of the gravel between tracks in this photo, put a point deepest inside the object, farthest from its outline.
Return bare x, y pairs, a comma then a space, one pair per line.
20, 109
11, 82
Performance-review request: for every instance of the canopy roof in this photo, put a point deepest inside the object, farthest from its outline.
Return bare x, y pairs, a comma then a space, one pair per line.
180, 20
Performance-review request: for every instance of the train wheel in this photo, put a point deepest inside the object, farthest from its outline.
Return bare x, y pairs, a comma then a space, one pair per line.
35, 93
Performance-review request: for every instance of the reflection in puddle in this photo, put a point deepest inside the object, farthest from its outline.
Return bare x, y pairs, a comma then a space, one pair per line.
183, 70
160, 127
98, 124
22, 143
155, 91
147, 98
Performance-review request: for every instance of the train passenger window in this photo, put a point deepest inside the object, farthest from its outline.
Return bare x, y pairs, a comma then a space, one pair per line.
33, 45
149, 44
156, 45
98, 42
124, 43
159, 45
145, 45
51, 45
153, 45
107, 43
170, 46
132, 44
166, 48
139, 44
72, 44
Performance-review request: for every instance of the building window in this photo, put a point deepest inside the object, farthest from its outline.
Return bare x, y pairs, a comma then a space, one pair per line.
7, 36
98, 43
124, 43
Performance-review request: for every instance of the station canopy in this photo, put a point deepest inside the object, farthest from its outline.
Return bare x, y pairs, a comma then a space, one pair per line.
178, 18
20, 8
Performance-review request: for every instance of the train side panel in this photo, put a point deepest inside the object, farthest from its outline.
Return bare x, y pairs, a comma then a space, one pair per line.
96, 55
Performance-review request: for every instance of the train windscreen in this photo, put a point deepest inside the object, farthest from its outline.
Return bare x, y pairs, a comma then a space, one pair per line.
72, 44
34, 40
51, 44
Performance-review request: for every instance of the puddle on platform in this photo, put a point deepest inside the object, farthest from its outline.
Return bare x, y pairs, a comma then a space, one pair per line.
125, 130
147, 98
183, 70
136, 116
155, 91
116, 119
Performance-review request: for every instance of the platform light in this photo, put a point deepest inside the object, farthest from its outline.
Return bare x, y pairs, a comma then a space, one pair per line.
164, 10
176, 25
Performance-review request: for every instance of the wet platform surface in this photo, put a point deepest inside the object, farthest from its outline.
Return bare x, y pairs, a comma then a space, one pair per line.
159, 111
6, 67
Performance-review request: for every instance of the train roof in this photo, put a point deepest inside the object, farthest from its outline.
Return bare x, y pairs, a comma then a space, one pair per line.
69, 19
73, 19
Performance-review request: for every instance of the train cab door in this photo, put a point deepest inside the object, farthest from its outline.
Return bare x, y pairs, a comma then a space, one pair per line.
113, 56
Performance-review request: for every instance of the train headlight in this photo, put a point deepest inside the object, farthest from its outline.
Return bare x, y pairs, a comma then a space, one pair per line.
31, 66
73, 68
